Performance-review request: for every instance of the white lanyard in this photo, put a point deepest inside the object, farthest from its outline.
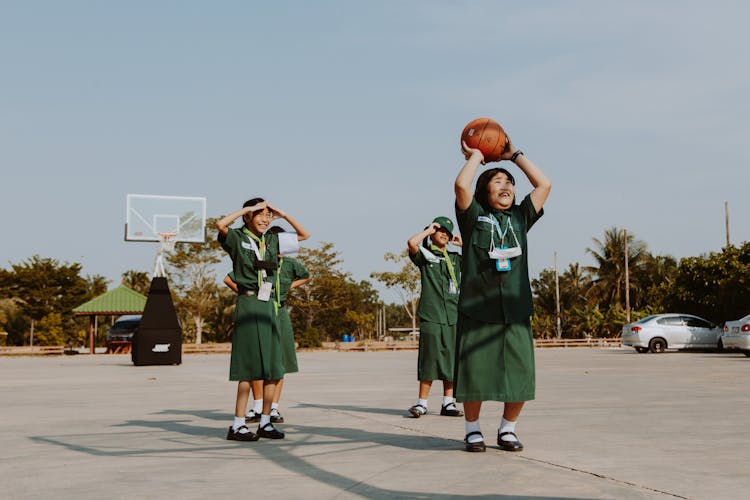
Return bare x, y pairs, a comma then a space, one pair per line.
501, 234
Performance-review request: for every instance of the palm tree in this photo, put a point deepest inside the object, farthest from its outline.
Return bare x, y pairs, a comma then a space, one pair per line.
608, 275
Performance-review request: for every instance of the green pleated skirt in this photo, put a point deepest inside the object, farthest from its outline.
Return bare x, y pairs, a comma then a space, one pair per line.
437, 351
494, 362
256, 341
288, 352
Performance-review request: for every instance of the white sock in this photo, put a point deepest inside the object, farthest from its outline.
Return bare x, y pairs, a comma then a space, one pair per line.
238, 422
473, 427
448, 400
274, 406
264, 419
258, 406
507, 426
423, 402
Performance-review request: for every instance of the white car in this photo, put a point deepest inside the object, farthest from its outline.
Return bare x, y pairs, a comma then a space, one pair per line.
677, 331
737, 335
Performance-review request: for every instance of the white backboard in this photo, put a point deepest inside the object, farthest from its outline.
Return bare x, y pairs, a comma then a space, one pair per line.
147, 216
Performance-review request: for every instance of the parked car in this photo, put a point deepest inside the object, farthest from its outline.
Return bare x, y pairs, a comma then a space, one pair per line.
677, 331
737, 335
123, 328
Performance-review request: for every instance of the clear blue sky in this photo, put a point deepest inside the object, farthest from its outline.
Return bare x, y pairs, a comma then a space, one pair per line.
347, 114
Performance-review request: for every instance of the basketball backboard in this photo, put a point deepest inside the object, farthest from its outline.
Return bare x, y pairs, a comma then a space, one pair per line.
149, 216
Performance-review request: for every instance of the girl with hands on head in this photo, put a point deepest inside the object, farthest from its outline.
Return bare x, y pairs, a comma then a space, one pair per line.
440, 272
256, 340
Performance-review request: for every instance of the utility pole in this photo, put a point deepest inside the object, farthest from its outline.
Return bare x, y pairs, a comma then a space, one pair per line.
627, 279
557, 299
726, 219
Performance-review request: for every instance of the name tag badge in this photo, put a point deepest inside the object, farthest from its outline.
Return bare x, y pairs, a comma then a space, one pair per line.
246, 246
264, 293
502, 265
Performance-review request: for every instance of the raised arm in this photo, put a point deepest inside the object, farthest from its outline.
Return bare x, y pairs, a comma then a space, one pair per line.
302, 233
542, 185
222, 225
465, 178
414, 241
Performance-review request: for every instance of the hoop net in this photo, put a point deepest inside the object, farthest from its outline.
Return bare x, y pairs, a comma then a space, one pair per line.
167, 241
166, 244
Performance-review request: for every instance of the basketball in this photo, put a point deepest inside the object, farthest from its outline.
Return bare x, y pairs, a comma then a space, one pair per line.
486, 135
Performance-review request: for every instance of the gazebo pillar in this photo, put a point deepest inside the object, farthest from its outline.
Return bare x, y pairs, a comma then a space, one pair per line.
92, 338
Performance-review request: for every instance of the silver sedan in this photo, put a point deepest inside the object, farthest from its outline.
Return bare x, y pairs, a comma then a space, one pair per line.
658, 332
737, 335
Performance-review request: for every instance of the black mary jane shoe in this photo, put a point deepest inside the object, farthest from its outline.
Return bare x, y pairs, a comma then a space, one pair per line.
514, 445
276, 418
417, 411
476, 446
233, 435
270, 432
252, 417
450, 410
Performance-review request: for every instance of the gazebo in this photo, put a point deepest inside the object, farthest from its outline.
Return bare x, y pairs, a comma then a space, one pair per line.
121, 300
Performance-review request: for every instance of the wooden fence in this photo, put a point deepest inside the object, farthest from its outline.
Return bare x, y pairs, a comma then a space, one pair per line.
367, 345
41, 350
608, 342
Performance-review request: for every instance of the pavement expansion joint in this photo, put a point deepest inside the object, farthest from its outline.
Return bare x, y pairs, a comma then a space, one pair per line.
601, 476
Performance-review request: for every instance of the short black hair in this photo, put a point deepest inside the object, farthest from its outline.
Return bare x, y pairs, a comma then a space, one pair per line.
252, 201
480, 193
275, 230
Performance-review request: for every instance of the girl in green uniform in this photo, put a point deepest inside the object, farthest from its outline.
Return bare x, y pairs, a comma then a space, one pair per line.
256, 341
440, 272
495, 346
290, 274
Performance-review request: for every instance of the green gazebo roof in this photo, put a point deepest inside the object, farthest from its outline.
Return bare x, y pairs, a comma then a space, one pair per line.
121, 300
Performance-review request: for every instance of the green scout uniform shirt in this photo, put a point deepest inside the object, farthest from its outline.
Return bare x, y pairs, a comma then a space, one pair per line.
291, 270
487, 294
245, 272
436, 303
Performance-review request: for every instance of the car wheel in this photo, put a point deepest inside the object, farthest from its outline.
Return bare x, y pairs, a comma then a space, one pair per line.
641, 349
657, 344
746, 353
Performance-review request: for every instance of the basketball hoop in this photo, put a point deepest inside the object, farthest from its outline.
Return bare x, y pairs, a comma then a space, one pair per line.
166, 244
167, 241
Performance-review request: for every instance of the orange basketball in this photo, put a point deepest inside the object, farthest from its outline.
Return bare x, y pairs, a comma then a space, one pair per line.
486, 135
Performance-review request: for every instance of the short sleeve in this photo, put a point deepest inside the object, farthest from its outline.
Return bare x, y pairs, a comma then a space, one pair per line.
530, 215
467, 218
229, 242
417, 258
300, 273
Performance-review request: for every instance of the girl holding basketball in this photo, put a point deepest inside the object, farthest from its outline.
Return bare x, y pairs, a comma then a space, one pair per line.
440, 272
495, 347
256, 341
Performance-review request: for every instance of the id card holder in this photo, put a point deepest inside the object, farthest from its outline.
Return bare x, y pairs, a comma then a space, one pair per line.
264, 292
502, 265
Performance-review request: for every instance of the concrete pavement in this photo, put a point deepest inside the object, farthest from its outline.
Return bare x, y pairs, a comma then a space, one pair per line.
607, 423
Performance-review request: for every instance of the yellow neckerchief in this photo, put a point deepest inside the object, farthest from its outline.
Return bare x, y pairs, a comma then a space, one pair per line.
278, 284
261, 249
448, 263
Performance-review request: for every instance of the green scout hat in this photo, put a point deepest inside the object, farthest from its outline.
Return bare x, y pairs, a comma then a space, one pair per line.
446, 224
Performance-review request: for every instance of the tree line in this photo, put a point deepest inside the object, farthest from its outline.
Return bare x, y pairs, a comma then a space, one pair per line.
38, 295
715, 286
